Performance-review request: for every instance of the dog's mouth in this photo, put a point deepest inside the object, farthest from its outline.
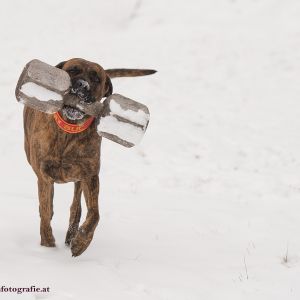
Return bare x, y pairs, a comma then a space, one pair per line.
81, 94
72, 113
84, 96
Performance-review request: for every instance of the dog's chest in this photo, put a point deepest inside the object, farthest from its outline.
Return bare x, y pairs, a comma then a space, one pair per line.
62, 156
73, 157
76, 146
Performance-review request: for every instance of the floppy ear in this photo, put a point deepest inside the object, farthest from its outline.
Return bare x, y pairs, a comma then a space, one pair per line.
60, 65
108, 87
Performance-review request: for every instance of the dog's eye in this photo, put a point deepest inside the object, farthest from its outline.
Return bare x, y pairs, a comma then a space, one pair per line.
94, 77
73, 71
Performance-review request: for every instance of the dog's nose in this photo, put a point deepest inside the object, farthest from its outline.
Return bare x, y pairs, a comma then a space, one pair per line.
81, 88
81, 84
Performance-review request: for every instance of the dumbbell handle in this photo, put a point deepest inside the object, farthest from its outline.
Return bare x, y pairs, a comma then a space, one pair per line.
93, 109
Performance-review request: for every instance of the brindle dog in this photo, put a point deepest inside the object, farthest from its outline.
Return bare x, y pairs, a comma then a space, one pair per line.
59, 157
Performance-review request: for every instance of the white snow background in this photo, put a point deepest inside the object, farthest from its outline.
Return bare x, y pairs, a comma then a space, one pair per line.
208, 205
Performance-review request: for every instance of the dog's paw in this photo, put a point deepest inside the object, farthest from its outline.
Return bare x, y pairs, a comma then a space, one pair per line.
48, 243
71, 234
47, 238
80, 243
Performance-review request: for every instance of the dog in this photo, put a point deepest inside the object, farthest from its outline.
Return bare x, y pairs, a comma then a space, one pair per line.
57, 155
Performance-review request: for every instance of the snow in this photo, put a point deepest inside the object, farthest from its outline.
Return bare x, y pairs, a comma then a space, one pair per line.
138, 117
207, 205
125, 131
32, 89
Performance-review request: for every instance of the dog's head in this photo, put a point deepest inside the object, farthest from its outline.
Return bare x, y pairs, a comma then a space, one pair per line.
89, 82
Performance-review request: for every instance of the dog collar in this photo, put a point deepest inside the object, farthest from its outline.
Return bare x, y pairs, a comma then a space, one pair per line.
71, 128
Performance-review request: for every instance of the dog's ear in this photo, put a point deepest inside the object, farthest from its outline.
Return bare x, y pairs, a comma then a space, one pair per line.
108, 87
60, 65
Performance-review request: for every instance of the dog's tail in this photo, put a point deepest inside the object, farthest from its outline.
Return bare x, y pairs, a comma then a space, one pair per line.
112, 73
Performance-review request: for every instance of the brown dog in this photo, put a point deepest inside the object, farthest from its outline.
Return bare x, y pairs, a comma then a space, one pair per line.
58, 156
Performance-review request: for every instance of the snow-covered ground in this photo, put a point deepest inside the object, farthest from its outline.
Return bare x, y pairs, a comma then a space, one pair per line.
208, 205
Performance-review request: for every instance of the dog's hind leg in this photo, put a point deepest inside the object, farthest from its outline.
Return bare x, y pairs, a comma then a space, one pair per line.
85, 233
75, 213
46, 193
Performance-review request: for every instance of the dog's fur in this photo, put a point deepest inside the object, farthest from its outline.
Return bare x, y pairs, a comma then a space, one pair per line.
60, 157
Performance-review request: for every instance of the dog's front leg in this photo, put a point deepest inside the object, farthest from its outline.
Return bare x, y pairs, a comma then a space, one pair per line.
46, 191
84, 236
75, 213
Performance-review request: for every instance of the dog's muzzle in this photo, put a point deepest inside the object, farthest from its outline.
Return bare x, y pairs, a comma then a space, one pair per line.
81, 89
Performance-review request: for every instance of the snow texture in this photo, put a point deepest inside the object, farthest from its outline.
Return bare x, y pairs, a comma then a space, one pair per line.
138, 117
72, 113
207, 206
32, 89
125, 131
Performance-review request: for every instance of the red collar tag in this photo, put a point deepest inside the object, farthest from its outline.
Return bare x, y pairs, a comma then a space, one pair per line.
71, 128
